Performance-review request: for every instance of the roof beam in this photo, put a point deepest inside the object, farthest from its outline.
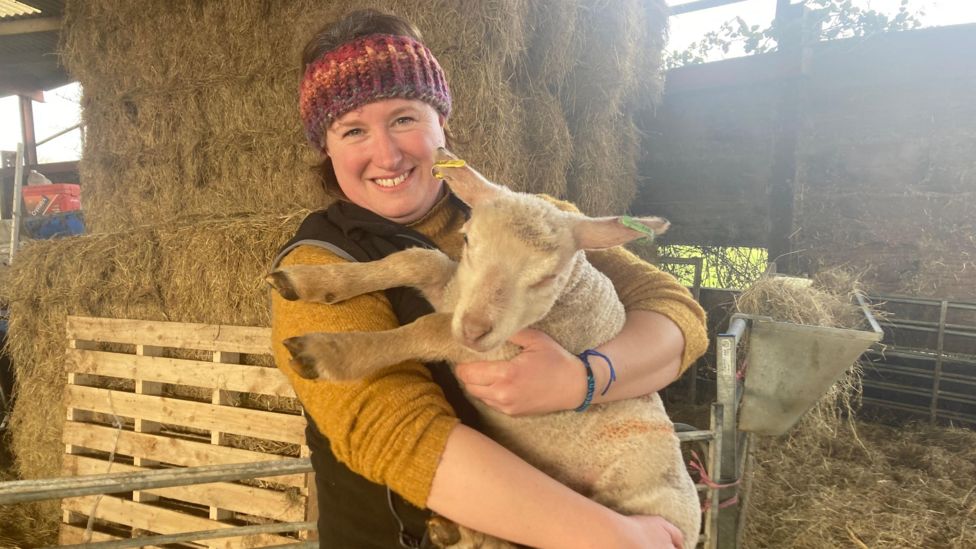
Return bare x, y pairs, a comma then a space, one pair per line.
698, 5
26, 26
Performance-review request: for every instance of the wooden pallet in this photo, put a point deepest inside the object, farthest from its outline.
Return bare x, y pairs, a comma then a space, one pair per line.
137, 408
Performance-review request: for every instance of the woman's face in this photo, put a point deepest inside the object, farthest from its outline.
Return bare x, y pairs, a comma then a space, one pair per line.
382, 155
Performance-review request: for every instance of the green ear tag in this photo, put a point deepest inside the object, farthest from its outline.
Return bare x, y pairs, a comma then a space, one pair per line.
632, 223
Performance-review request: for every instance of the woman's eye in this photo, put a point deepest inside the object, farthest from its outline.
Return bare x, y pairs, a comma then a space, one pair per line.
353, 133
403, 120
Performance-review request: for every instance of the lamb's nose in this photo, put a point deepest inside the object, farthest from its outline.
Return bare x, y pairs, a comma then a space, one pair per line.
474, 329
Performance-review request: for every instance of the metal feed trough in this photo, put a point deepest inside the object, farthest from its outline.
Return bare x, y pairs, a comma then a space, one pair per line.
787, 368
790, 366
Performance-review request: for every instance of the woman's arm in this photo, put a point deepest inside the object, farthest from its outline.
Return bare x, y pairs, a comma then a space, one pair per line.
480, 484
396, 429
664, 333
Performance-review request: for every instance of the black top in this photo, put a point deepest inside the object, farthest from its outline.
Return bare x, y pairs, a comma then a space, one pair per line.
354, 512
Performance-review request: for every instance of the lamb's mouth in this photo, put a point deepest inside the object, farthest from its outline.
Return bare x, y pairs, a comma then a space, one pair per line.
393, 182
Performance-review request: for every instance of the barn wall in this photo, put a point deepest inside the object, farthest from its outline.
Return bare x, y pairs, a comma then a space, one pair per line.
885, 177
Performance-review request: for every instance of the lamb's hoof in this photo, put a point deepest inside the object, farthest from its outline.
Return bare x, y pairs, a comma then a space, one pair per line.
302, 362
443, 532
280, 282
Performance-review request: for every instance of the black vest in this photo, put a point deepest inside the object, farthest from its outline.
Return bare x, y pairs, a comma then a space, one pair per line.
354, 512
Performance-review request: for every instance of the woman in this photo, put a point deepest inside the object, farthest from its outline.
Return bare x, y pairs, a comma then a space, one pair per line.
389, 448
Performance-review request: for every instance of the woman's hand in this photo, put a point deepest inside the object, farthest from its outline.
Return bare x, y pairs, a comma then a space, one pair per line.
542, 378
657, 533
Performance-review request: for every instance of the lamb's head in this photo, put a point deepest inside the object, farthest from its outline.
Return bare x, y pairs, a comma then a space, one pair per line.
520, 252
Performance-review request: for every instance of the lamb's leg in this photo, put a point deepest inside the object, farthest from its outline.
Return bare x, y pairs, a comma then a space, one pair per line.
449, 535
351, 355
427, 270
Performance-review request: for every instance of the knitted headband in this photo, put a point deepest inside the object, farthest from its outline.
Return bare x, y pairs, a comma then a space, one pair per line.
367, 69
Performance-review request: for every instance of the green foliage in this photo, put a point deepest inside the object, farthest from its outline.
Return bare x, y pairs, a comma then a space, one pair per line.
721, 267
835, 19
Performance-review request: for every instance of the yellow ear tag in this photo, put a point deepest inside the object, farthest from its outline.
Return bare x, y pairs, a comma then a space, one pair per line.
447, 164
450, 164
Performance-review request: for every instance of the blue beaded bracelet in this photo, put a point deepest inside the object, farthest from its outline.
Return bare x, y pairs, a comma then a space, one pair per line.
613, 374
590, 384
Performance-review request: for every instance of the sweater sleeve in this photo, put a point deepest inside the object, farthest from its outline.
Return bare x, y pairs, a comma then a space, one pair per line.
643, 287
390, 427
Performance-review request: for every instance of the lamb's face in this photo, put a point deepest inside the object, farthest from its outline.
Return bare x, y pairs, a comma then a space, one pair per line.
515, 264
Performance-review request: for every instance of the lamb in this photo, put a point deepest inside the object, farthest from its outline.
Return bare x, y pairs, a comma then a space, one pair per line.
523, 265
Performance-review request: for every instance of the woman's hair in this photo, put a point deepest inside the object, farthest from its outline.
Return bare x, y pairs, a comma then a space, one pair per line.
352, 26
355, 25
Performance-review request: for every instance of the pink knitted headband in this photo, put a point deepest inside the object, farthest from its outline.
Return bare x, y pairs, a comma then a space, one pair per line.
367, 69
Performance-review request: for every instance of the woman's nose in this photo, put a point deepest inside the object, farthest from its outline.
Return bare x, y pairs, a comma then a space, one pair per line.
386, 151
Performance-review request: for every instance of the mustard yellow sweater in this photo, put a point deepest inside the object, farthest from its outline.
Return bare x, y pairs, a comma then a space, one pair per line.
392, 427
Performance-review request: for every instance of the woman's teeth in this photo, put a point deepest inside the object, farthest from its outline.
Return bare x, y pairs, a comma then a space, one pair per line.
392, 182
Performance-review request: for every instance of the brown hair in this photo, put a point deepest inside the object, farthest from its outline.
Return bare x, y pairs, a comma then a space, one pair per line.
353, 25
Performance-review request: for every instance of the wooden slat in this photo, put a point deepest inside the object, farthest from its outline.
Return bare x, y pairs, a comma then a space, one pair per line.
259, 502
165, 449
211, 375
75, 535
164, 521
207, 337
252, 423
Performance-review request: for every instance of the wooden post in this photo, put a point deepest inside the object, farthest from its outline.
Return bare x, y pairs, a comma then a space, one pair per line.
794, 53
937, 374
74, 414
222, 397
27, 130
145, 426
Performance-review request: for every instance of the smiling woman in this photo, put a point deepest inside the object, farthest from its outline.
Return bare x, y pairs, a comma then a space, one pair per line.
382, 154
402, 441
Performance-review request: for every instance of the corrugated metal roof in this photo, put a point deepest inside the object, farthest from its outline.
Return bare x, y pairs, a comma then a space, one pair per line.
12, 9
28, 49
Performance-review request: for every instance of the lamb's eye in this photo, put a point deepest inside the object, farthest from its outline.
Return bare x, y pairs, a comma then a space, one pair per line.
465, 237
545, 280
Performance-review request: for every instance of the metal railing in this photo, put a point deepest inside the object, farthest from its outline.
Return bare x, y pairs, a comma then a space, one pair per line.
23, 491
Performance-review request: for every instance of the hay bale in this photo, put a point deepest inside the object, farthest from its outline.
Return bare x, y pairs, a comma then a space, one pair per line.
603, 175
546, 144
188, 113
552, 49
151, 273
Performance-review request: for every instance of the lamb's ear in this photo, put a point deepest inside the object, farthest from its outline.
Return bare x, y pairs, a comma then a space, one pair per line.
596, 233
469, 185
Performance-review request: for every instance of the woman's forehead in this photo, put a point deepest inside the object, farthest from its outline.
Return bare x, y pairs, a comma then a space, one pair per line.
382, 109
